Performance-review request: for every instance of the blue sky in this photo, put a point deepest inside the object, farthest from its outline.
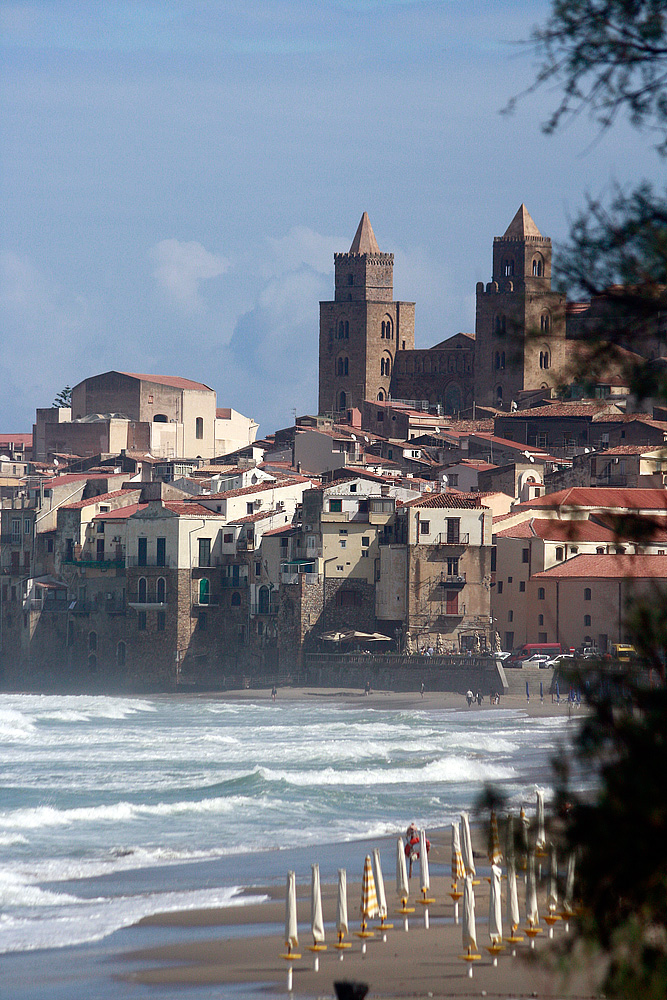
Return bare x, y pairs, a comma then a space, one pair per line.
176, 177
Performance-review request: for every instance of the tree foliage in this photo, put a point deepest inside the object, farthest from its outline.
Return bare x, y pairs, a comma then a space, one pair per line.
63, 399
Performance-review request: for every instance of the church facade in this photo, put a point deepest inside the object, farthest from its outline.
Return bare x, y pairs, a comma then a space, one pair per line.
367, 339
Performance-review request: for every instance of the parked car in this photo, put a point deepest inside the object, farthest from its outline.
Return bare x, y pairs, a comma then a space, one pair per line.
536, 660
560, 661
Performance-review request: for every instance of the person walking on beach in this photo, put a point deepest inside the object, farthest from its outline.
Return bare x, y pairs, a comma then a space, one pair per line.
274, 692
469, 697
421, 690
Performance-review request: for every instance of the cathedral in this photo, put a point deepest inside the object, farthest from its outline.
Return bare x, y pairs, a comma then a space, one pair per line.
367, 339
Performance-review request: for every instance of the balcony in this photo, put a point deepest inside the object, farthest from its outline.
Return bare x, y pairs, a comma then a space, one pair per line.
453, 581
264, 608
245, 544
91, 563
166, 563
445, 538
291, 578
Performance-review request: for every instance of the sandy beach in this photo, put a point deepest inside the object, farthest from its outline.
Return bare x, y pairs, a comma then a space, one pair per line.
245, 943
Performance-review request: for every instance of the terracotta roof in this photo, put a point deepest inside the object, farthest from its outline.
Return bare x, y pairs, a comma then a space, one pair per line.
609, 567
259, 488
174, 381
522, 225
506, 443
224, 413
558, 531
251, 518
562, 410
189, 508
25, 439
364, 239
120, 513
627, 449
449, 499
102, 498
600, 497
66, 479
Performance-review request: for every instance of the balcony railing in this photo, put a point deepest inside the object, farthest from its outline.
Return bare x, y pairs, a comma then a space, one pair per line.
166, 563
459, 612
445, 538
453, 580
295, 577
93, 561
264, 608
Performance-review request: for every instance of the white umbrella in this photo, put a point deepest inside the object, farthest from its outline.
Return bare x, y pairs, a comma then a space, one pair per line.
509, 840
291, 932
495, 854
512, 899
316, 921
524, 823
466, 846
541, 840
382, 899
402, 885
552, 895
424, 877
495, 908
532, 913
568, 900
341, 910
469, 929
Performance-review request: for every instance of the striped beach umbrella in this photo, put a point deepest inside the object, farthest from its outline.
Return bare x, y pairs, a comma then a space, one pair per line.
369, 899
291, 933
541, 840
495, 907
458, 868
466, 846
316, 921
495, 854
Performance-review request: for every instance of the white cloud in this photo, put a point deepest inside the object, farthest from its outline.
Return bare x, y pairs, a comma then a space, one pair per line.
302, 246
182, 267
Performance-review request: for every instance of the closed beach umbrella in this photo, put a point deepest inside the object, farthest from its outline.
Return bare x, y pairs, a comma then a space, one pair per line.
402, 886
495, 854
424, 877
458, 868
316, 921
532, 913
379, 885
341, 906
466, 846
291, 933
568, 901
509, 840
469, 930
495, 909
369, 899
552, 895
524, 824
541, 841
512, 896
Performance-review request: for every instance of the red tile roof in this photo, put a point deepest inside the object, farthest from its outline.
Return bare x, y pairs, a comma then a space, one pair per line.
102, 498
558, 531
561, 410
67, 478
224, 413
608, 567
279, 531
259, 488
120, 513
251, 518
600, 497
24, 439
189, 508
449, 499
174, 381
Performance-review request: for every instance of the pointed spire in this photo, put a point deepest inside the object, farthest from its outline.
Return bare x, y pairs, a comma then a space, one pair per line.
364, 239
522, 225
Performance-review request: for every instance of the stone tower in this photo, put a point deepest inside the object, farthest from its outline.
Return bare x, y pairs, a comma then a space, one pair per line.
361, 330
520, 325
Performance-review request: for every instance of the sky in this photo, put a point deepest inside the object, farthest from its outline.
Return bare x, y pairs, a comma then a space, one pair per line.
176, 177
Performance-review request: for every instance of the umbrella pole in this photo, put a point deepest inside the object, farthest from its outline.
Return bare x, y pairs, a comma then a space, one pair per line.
289, 978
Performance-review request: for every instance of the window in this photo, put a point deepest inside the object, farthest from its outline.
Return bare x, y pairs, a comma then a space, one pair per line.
228, 537
16, 530
510, 579
204, 590
424, 527
508, 268
542, 637
204, 551
559, 553
343, 366
452, 602
587, 619
545, 322
509, 640
236, 599
141, 621
587, 594
26, 526
343, 543
335, 506
161, 552
365, 541
525, 555
364, 553
161, 621
49, 545
350, 279
452, 566
545, 360
540, 619
500, 326
453, 530
510, 615
199, 428
92, 641
161, 590
499, 395
574, 549
142, 589
540, 593
120, 654
538, 267
500, 586
142, 551
522, 586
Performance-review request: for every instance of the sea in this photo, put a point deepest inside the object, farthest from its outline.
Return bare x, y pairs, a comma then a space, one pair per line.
115, 808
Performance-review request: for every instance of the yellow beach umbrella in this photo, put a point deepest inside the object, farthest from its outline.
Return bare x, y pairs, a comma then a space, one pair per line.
369, 900
458, 868
495, 854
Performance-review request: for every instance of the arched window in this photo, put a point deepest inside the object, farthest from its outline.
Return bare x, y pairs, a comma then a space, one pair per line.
500, 325
160, 418
540, 593
499, 395
204, 591
347, 329
380, 395
343, 366
587, 620
545, 322
545, 359
508, 267
385, 366
559, 553
92, 641
161, 590
264, 601
538, 267
341, 330
142, 590
587, 594
496, 360
120, 654
540, 619
236, 599
92, 663
199, 428
342, 401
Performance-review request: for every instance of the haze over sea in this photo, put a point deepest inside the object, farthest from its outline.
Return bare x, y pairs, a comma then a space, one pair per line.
116, 808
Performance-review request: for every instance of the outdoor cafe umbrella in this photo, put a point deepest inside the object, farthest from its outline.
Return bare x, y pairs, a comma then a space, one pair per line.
379, 885
466, 846
541, 839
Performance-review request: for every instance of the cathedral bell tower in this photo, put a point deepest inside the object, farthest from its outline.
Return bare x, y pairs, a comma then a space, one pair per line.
520, 324
361, 330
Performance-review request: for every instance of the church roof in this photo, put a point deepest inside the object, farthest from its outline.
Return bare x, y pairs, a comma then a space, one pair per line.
364, 239
522, 225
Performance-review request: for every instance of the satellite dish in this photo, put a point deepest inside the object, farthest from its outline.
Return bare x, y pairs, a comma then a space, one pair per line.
587, 451
527, 454
445, 480
531, 459
353, 436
